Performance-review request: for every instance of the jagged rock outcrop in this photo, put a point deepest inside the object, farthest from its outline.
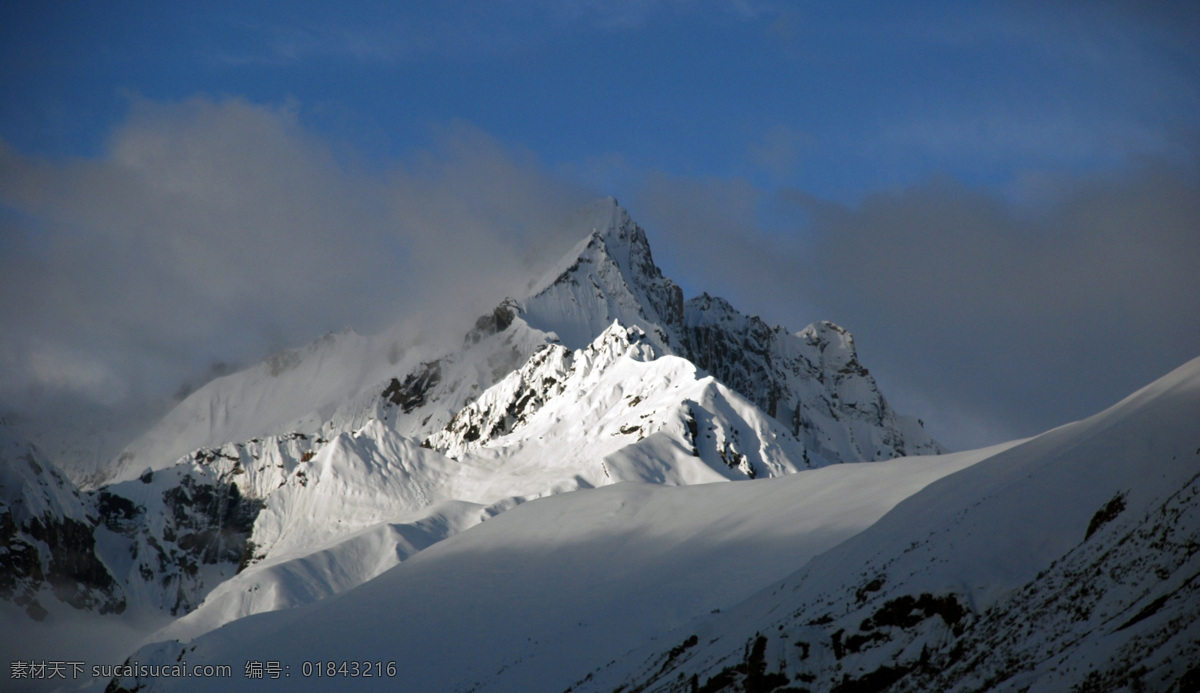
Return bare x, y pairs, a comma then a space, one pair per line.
619, 410
511, 402
811, 379
47, 547
180, 531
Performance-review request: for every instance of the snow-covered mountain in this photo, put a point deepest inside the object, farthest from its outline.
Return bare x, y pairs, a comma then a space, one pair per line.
325, 467
1064, 562
811, 381
616, 413
601, 374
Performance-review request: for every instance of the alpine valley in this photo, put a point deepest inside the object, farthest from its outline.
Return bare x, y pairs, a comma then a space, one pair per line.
545, 507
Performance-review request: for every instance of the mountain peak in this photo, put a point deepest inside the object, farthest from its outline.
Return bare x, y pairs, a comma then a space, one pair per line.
609, 275
811, 380
604, 228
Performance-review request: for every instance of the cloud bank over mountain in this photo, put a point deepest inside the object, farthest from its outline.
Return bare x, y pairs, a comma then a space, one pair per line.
215, 231
956, 291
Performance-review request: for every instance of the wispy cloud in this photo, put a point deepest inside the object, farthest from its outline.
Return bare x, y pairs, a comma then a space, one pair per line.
222, 230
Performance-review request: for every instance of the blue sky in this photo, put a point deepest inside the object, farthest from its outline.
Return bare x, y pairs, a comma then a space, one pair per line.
838, 98
803, 159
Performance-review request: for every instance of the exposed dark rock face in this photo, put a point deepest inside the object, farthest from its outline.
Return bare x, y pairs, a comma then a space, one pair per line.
172, 523
212, 521
46, 527
21, 572
664, 295
197, 514
413, 392
75, 574
494, 322
540, 379
737, 351
751, 674
1105, 515
812, 381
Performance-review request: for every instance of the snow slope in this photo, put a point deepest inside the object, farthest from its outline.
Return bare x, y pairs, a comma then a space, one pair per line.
334, 385
294, 390
1067, 562
529, 598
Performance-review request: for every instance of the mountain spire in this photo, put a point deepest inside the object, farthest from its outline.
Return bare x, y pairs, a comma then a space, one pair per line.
609, 275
